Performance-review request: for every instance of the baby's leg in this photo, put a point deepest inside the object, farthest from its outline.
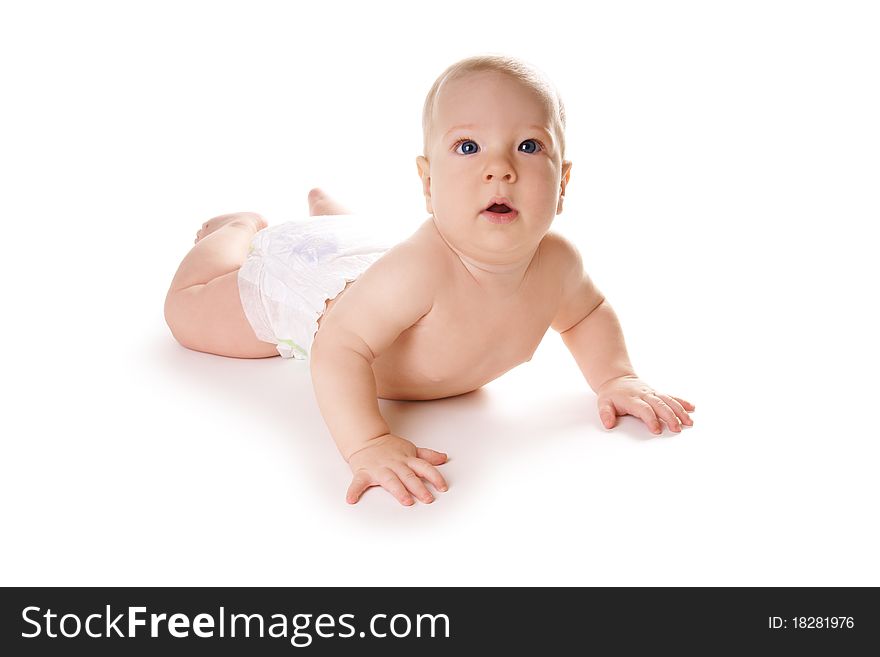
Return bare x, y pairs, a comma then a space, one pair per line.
321, 204
203, 308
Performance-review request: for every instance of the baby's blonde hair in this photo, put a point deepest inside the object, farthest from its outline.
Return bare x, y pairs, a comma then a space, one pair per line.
526, 73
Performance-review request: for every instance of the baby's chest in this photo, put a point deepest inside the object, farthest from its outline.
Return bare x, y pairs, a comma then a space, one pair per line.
469, 337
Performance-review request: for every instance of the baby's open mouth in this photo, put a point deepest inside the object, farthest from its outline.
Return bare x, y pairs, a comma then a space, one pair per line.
500, 208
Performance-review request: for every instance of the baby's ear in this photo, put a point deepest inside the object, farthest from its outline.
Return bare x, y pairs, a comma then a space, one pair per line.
566, 175
424, 168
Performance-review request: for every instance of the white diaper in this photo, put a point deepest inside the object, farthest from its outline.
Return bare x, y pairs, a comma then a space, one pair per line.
293, 268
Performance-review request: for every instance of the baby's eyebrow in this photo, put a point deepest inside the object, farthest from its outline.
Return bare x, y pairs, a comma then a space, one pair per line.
468, 126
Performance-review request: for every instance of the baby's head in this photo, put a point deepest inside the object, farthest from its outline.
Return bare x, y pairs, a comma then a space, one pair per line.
493, 127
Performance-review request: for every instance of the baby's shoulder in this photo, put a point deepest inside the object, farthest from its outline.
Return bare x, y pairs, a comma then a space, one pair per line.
413, 262
559, 255
426, 248
555, 244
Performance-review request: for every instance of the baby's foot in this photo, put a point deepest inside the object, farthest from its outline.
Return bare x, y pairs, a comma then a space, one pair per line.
251, 218
320, 203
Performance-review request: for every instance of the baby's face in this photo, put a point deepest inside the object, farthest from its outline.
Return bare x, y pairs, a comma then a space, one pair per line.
492, 137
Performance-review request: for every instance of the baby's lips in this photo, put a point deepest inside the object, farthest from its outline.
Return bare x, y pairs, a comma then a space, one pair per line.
499, 200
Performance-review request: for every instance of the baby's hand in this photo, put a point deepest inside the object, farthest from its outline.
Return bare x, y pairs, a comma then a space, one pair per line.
628, 395
396, 465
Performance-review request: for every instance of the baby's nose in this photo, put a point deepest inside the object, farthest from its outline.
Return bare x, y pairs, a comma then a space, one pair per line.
499, 172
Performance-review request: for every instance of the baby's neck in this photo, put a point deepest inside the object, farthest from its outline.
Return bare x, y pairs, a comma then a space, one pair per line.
501, 279
497, 279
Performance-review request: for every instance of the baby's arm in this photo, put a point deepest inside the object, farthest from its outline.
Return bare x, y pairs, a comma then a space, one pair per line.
591, 331
389, 297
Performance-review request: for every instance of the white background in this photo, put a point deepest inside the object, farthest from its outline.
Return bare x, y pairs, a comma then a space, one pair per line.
724, 195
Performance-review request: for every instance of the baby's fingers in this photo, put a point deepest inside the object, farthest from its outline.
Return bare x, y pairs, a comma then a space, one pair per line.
389, 480
677, 408
414, 483
359, 483
643, 410
685, 404
664, 411
386, 479
608, 414
429, 472
431, 456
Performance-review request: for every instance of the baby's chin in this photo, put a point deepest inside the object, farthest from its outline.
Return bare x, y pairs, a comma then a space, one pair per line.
495, 226
490, 244
459, 221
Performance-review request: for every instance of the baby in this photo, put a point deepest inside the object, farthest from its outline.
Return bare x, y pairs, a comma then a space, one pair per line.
463, 299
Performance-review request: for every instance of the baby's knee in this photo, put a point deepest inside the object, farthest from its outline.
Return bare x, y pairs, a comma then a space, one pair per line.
177, 318
244, 217
247, 215
248, 218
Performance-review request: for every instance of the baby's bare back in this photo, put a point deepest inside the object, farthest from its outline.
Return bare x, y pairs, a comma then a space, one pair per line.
469, 336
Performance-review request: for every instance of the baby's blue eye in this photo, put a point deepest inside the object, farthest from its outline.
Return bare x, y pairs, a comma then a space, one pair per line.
463, 142
530, 141
469, 146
